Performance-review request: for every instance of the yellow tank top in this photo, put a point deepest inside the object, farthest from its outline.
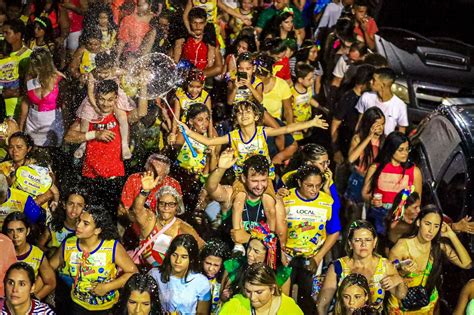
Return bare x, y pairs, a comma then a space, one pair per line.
34, 258
239, 24
306, 222
376, 290
87, 269
108, 40
87, 62
211, 9
185, 101
16, 202
243, 150
57, 237
186, 159
301, 108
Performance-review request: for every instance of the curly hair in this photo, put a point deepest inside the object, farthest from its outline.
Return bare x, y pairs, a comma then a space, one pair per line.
103, 220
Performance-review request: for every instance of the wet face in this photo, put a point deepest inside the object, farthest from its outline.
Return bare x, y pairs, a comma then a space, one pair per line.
401, 154
142, 7
18, 149
287, 25
307, 81
429, 226
74, 206
10, 36
179, 262
197, 26
322, 162
106, 102
212, 265
310, 186
85, 227
354, 297
412, 211
281, 4
259, 295
363, 243
195, 88
39, 32
247, 67
18, 288
246, 116
167, 207
17, 232
93, 45
139, 303
242, 47
256, 252
103, 20
200, 123
255, 183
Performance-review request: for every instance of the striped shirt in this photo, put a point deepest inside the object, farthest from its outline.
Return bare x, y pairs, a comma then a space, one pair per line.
37, 308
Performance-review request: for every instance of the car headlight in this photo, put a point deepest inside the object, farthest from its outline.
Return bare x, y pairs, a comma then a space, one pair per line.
400, 89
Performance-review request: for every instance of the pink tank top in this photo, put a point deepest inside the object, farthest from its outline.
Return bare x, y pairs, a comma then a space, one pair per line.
48, 102
391, 181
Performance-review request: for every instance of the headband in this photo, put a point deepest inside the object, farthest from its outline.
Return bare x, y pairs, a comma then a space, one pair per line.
262, 233
400, 210
40, 21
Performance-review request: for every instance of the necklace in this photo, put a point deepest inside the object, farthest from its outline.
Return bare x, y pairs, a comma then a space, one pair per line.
256, 216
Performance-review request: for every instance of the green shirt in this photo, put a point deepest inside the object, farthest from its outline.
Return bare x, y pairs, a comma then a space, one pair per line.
270, 12
241, 305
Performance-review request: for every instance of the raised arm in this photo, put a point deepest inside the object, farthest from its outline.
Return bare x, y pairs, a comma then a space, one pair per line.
203, 139
457, 254
315, 122
213, 187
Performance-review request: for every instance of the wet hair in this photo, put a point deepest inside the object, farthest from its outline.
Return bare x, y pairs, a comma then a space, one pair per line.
264, 64
355, 226
390, 146
262, 275
258, 163
106, 87
24, 136
307, 153
376, 60
273, 46
435, 252
59, 215
197, 13
169, 190
104, 60
88, 34
302, 70
386, 74
306, 171
215, 247
351, 280
196, 109
368, 119
15, 216
16, 25
21, 265
141, 282
244, 57
243, 105
195, 75
190, 244
103, 220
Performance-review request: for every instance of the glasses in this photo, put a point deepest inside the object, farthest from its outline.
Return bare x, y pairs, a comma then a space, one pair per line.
311, 186
362, 240
170, 205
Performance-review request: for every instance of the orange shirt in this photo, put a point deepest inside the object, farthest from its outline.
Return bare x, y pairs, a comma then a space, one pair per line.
9, 258
132, 31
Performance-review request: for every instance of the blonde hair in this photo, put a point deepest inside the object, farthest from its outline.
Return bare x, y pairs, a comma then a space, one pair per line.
168, 190
42, 66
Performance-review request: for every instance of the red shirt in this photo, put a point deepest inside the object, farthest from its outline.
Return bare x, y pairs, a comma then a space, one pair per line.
281, 68
195, 52
133, 185
104, 159
371, 30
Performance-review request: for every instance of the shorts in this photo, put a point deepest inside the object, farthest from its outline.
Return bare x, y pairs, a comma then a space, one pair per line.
72, 40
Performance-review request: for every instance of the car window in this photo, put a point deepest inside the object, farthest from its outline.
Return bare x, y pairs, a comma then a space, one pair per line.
450, 188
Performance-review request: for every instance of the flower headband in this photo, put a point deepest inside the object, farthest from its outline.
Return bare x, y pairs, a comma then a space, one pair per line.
400, 210
262, 233
286, 10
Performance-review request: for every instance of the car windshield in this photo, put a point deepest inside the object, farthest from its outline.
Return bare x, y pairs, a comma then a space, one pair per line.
452, 19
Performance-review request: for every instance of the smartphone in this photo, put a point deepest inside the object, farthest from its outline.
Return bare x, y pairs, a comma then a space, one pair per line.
241, 75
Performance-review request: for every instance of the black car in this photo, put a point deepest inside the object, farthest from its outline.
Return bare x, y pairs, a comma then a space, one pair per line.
430, 46
443, 148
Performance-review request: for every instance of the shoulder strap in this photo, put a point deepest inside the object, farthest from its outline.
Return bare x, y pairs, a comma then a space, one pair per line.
153, 238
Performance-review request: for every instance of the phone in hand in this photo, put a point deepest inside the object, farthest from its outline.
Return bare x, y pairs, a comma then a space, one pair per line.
241, 75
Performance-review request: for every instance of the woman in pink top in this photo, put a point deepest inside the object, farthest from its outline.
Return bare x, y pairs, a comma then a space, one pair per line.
41, 116
133, 29
391, 172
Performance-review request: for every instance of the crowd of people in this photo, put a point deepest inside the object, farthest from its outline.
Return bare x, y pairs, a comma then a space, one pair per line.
278, 181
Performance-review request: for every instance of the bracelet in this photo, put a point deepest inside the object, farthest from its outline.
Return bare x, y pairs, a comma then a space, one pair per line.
144, 193
90, 135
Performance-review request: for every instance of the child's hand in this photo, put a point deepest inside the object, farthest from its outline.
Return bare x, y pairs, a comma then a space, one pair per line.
227, 160
172, 138
319, 123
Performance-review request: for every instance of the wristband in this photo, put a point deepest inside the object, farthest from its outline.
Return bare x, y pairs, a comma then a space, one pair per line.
144, 193
90, 135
